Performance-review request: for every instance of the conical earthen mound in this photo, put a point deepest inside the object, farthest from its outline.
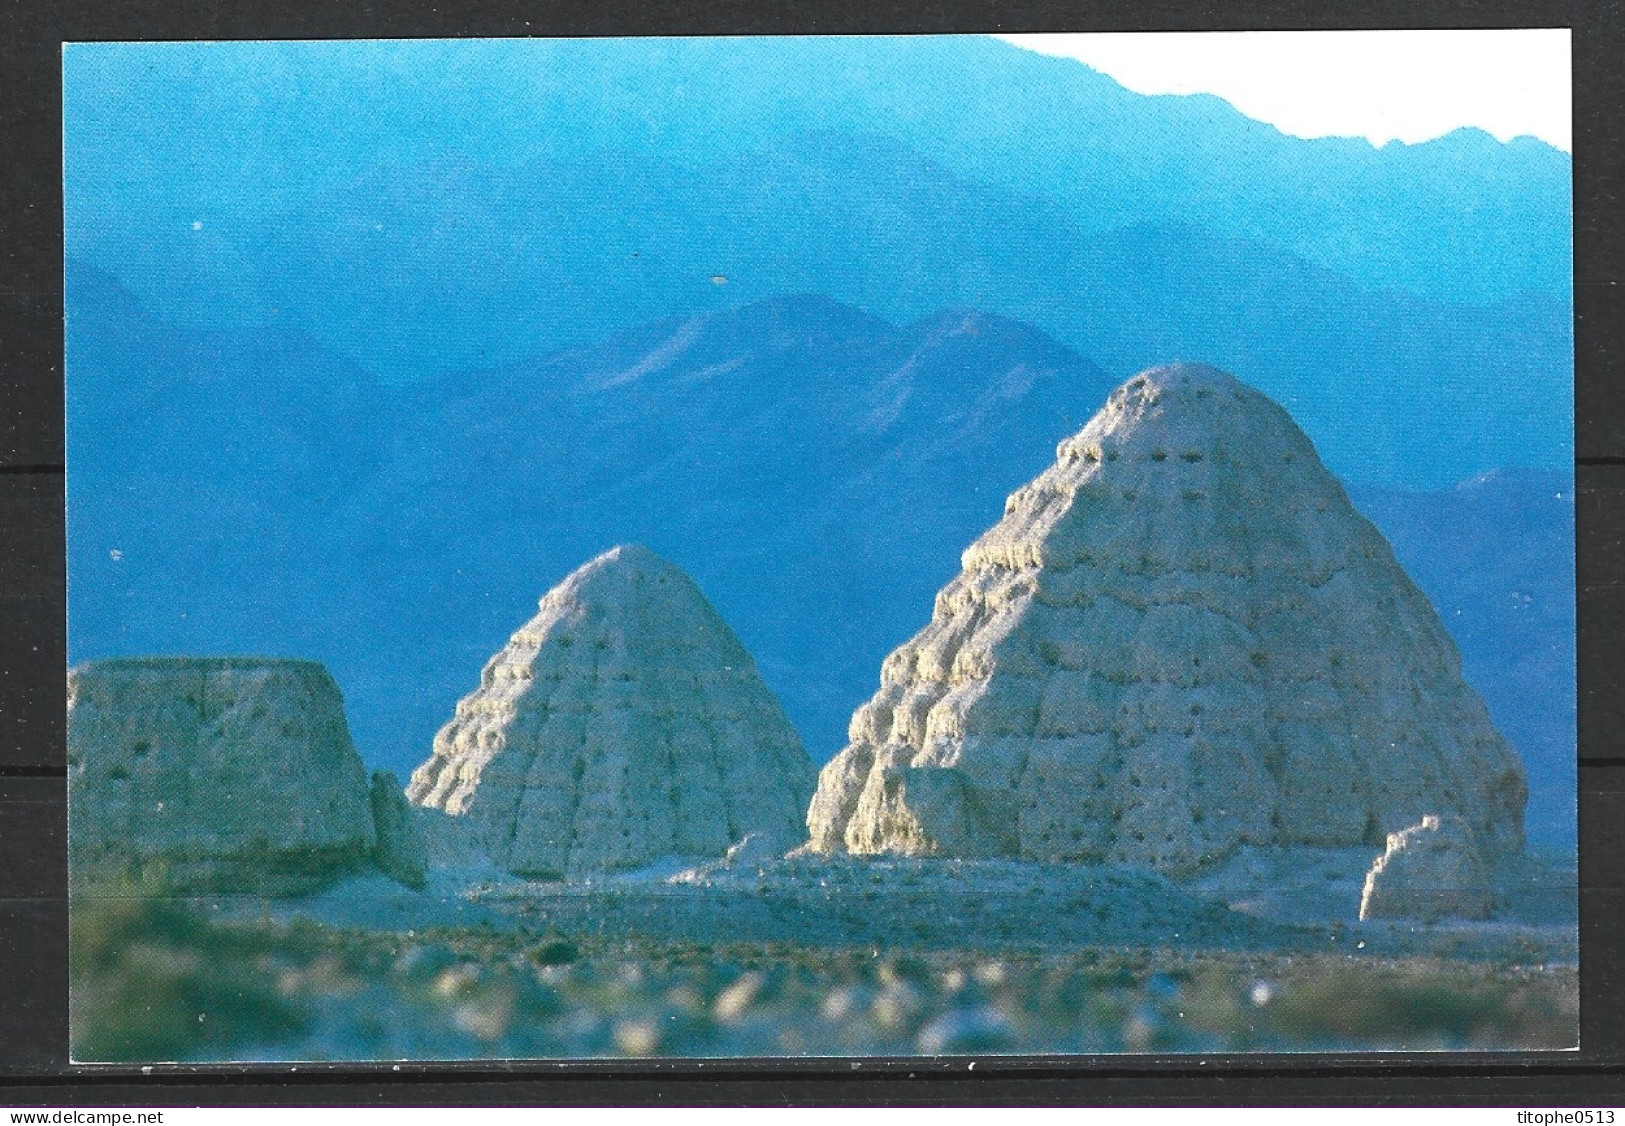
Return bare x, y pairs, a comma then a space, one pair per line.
1181, 638
622, 724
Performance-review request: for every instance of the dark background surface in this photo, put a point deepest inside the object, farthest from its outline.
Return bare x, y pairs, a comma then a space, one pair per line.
33, 914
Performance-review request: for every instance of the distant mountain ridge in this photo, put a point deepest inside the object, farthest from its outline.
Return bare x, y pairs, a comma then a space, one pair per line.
728, 440
470, 268
199, 124
419, 207
816, 469
781, 451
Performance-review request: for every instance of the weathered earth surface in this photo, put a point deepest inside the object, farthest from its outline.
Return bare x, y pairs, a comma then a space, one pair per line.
622, 724
401, 853
1180, 640
753, 955
546, 975
223, 773
1431, 870
1303, 899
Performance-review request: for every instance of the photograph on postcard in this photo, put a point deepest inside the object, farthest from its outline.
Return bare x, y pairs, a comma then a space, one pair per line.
820, 547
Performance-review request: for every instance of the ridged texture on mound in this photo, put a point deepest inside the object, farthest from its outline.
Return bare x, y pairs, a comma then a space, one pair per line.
213, 773
1181, 638
622, 724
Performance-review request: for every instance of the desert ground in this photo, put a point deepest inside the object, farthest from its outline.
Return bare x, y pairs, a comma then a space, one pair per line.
809, 959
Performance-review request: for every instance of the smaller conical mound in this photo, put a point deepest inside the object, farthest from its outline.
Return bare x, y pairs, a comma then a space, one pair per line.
622, 724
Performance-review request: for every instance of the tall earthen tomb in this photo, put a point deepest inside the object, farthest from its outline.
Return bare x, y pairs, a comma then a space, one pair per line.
1180, 639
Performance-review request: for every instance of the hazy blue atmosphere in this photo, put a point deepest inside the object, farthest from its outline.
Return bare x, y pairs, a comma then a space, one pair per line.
370, 344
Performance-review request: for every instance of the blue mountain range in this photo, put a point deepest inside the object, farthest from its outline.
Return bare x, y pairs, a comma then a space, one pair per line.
816, 469
419, 207
371, 343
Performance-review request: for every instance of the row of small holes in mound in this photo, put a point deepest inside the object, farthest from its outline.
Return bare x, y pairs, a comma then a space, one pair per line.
565, 641
1073, 835
1139, 838
1093, 455
142, 747
1139, 382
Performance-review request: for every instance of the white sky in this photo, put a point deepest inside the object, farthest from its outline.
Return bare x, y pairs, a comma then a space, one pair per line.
1382, 85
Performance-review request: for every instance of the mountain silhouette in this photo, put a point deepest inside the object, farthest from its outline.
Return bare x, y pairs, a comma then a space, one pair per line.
196, 131
816, 469
432, 206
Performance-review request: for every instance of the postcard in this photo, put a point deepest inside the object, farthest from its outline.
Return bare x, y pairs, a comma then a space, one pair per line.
936, 546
